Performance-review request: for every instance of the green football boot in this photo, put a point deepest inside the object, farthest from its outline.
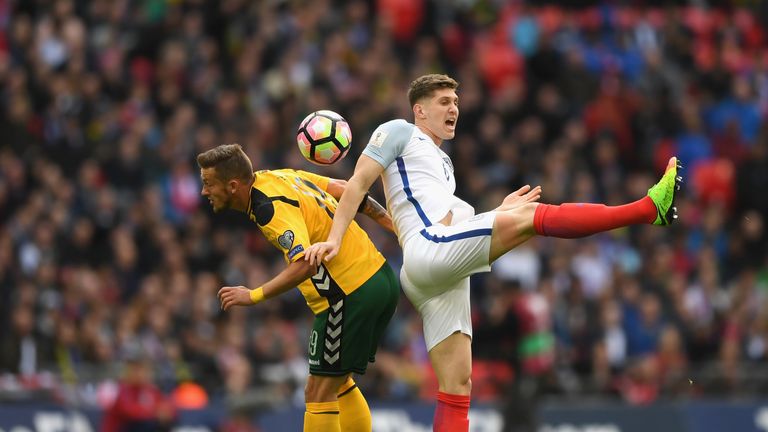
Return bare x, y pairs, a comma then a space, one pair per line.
663, 193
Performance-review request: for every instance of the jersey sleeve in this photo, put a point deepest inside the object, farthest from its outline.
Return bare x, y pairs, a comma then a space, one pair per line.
287, 231
320, 181
388, 141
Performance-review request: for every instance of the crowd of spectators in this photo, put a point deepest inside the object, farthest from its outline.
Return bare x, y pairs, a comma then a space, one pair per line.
106, 247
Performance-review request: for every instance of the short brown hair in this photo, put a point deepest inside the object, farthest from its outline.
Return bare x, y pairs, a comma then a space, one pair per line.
425, 85
230, 162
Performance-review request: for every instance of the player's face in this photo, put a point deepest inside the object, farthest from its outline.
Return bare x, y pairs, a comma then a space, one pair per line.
215, 190
442, 113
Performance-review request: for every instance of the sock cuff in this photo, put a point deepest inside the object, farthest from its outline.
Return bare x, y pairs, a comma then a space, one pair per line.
538, 218
348, 386
323, 407
648, 202
453, 400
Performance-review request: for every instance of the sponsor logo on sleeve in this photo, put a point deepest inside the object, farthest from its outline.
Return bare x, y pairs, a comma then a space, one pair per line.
294, 251
377, 140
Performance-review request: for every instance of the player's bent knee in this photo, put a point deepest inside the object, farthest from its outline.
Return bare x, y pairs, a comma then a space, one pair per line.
520, 218
512, 228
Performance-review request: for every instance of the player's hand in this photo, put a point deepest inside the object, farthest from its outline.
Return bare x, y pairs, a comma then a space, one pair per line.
318, 252
524, 195
234, 296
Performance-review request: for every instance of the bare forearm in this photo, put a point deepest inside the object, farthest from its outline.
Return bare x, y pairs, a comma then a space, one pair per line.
377, 212
296, 273
345, 212
369, 207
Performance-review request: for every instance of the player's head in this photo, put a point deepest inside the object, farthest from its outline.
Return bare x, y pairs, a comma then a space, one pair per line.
435, 104
224, 170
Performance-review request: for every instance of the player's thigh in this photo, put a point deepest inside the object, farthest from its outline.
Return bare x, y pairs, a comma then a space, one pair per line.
388, 286
446, 313
512, 228
442, 255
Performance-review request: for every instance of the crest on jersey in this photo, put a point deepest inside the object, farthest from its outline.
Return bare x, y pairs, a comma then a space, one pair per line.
286, 239
447, 168
448, 162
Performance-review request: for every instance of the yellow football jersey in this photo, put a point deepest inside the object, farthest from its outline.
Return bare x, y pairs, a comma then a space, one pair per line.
293, 211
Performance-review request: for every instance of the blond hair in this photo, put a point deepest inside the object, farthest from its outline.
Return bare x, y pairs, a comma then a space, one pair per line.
229, 160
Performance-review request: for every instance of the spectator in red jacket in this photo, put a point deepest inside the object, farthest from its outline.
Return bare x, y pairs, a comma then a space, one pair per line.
139, 406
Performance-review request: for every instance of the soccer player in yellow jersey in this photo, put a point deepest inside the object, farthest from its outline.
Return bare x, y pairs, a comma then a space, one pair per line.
353, 297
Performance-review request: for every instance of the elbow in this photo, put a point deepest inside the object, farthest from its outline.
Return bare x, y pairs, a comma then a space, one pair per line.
308, 270
336, 188
339, 183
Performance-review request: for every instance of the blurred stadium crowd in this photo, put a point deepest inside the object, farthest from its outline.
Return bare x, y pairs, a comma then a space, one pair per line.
106, 249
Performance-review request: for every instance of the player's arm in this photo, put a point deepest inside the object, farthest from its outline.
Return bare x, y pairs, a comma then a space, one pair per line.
368, 206
296, 272
335, 187
386, 144
366, 172
283, 225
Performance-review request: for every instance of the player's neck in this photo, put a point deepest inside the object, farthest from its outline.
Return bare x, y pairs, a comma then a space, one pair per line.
429, 133
242, 198
240, 202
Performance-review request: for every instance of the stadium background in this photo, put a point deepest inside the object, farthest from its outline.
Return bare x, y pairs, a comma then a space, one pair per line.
107, 252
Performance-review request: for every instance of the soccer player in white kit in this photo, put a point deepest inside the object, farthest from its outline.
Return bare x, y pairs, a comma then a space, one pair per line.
444, 242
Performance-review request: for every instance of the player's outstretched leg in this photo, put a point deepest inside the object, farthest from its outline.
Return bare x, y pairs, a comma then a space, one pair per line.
663, 193
583, 219
575, 220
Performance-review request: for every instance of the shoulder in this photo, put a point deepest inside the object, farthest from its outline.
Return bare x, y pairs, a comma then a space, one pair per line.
265, 176
397, 126
275, 182
392, 134
262, 207
282, 172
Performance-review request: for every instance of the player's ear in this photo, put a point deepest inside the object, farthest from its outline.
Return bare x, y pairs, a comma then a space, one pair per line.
232, 185
418, 111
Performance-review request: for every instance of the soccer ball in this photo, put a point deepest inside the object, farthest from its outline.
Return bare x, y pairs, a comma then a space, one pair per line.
324, 137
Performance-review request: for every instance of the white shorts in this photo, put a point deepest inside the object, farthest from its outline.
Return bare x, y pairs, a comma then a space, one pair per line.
435, 274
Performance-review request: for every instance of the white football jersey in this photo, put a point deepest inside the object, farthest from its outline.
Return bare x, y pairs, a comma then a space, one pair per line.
418, 179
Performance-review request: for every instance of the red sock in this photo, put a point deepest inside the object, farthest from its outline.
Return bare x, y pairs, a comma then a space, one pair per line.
574, 220
452, 413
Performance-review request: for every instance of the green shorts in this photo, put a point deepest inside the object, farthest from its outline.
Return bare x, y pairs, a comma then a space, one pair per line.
345, 336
